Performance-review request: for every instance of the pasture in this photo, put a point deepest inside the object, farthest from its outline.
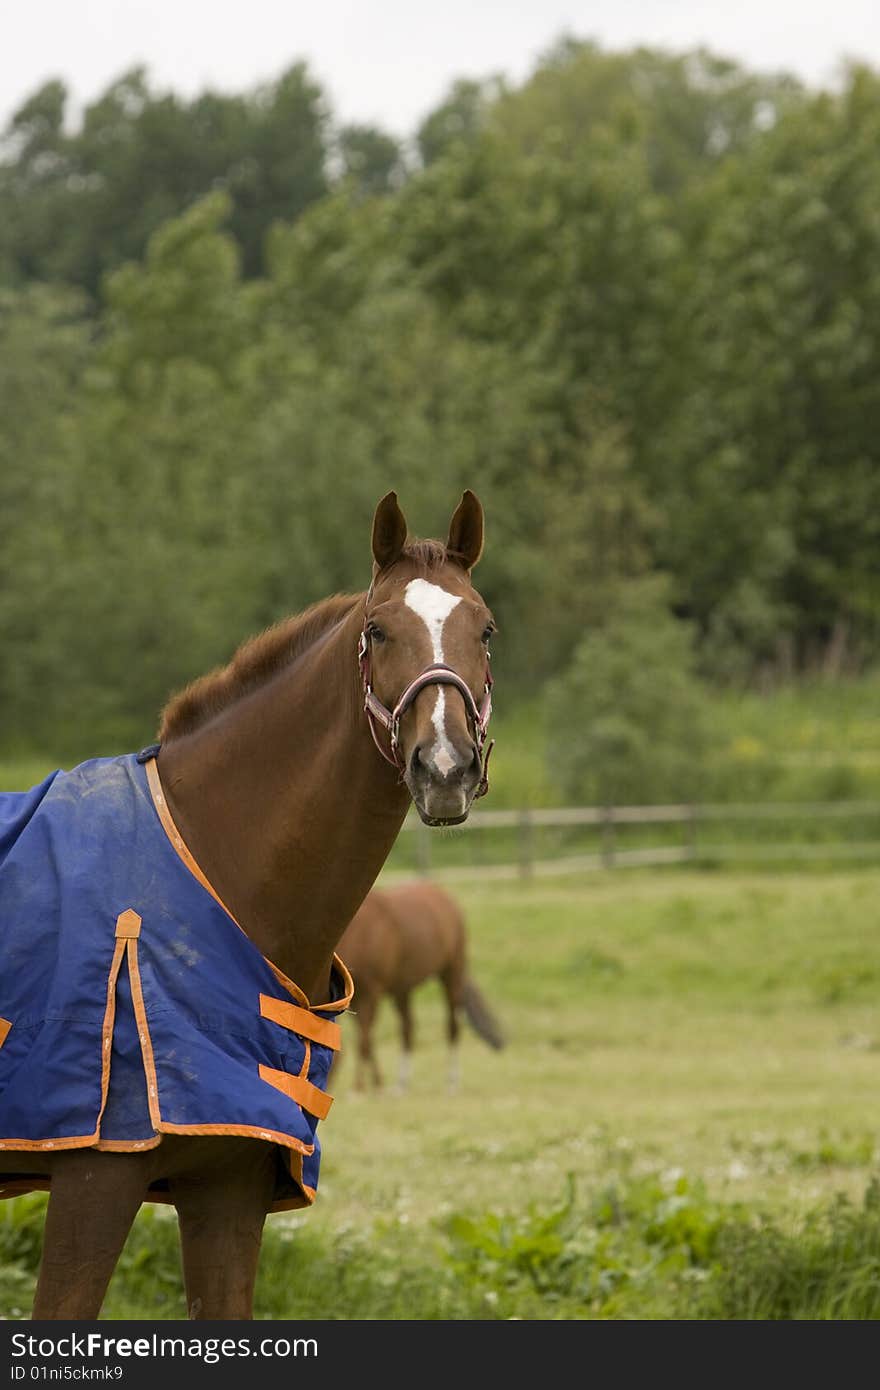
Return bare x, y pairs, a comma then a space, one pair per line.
684, 1122
297, 315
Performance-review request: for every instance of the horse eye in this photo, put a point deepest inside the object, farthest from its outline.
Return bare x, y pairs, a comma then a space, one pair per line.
376, 633
487, 634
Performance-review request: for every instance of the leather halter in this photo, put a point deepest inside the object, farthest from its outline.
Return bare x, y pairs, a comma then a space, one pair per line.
436, 674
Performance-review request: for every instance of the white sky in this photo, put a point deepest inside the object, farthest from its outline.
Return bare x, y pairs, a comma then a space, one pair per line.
390, 63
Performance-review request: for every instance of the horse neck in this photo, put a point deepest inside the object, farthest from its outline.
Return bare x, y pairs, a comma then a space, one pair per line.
287, 807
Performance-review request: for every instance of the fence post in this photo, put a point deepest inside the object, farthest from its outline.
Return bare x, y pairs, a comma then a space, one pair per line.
526, 844
608, 837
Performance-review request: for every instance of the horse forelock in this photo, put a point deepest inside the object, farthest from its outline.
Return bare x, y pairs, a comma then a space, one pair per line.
422, 558
432, 554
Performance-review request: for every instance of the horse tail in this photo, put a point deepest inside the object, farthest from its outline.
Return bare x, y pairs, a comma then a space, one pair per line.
480, 1016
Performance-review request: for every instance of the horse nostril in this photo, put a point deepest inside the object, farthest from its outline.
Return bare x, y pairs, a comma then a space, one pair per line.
425, 763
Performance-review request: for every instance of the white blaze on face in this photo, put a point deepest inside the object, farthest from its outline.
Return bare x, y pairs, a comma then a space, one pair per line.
433, 605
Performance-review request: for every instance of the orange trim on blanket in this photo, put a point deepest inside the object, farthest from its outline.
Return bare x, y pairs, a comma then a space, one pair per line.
301, 1021
128, 925
338, 1005
128, 1146
163, 811
300, 1091
78, 1141
140, 1014
110, 1019
5, 1026
286, 983
272, 1136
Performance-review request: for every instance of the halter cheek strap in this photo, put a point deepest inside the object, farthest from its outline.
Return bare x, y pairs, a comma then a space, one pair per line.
436, 674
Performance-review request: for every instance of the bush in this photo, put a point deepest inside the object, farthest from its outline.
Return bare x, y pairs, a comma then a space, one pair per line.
626, 723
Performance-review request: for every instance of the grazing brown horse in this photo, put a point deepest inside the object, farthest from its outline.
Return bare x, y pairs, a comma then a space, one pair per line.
399, 938
279, 801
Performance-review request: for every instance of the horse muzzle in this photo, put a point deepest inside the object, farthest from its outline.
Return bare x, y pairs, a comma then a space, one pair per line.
443, 793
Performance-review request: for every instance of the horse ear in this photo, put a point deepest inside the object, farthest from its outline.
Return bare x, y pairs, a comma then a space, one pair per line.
389, 531
465, 542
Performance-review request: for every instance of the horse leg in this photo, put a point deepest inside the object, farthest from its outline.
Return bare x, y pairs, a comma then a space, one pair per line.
221, 1210
93, 1200
453, 986
407, 1038
366, 1058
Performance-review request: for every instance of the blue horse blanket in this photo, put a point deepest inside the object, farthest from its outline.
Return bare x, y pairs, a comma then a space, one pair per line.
132, 1004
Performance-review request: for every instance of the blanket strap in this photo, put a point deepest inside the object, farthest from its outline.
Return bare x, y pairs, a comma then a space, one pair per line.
301, 1021
309, 1097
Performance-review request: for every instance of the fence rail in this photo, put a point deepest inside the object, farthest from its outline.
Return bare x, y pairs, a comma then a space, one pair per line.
526, 862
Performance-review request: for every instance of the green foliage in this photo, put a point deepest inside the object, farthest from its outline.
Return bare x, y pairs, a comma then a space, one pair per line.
826, 1270
371, 160
458, 119
778, 455
639, 1248
501, 1251
636, 1244
630, 301
79, 203
689, 112
626, 723
21, 1243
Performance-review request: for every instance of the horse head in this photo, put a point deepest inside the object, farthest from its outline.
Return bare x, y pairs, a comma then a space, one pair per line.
424, 653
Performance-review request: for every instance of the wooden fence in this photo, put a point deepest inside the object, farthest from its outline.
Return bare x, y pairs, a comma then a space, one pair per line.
526, 861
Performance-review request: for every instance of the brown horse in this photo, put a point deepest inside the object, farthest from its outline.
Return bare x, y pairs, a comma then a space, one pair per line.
276, 795
399, 938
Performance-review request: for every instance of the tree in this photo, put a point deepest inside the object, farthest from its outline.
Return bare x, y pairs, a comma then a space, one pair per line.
688, 112
626, 723
35, 167
372, 162
777, 458
459, 118
44, 354
78, 204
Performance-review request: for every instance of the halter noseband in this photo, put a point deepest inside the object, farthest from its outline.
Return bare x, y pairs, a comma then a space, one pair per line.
436, 674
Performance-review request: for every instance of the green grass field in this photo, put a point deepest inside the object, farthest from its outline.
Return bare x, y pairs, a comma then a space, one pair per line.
684, 1124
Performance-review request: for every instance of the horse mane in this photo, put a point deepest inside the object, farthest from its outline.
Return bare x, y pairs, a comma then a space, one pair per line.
254, 663
260, 658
